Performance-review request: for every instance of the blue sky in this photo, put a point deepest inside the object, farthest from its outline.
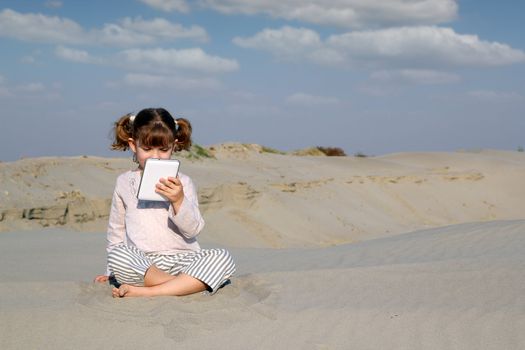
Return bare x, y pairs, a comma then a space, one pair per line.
371, 76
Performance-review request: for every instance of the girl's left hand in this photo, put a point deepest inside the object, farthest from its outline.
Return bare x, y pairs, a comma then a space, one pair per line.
171, 188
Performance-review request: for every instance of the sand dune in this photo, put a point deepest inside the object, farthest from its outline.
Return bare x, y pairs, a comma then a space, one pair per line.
269, 200
403, 251
455, 287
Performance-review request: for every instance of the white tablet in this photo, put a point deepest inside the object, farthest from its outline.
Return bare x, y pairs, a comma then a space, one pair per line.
154, 170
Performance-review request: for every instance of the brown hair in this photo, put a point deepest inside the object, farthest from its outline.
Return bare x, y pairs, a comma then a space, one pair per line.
152, 127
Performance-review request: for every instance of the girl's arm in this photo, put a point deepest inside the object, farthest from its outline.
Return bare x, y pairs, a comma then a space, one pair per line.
184, 209
116, 232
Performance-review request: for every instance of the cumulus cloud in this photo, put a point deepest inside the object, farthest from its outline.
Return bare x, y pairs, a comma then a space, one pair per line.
39, 28
345, 13
286, 42
127, 32
74, 55
435, 45
194, 59
168, 5
151, 81
414, 76
303, 99
422, 47
161, 28
157, 60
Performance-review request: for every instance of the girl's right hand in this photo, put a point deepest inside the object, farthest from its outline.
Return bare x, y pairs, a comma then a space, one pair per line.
101, 278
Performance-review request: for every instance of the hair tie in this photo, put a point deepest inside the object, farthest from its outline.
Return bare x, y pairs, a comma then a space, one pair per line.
132, 118
176, 124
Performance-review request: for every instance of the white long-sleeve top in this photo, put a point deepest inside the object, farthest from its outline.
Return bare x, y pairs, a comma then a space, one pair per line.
153, 226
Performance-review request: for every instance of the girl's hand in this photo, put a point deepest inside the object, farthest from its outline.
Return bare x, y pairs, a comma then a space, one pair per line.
101, 278
171, 188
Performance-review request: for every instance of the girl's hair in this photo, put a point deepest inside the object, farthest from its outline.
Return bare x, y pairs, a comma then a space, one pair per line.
152, 127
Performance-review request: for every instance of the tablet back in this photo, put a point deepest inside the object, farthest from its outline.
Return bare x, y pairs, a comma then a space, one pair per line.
154, 170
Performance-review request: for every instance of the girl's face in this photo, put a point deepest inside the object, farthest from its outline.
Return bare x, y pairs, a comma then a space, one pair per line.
143, 153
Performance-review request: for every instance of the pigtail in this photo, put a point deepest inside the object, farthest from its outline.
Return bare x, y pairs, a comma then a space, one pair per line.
183, 134
122, 130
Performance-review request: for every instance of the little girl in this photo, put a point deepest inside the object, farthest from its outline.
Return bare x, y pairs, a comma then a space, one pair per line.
152, 246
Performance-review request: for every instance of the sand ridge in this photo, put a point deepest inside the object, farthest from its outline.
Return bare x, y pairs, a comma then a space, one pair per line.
255, 198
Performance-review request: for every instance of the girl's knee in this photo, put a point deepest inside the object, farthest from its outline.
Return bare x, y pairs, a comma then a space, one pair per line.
222, 254
227, 259
127, 265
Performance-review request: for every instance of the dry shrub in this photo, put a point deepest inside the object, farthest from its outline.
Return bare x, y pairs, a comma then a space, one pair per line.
311, 151
332, 151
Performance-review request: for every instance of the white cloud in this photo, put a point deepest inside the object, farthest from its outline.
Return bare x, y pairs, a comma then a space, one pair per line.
193, 60
310, 100
28, 59
290, 43
127, 32
54, 4
4, 91
115, 34
168, 5
490, 95
414, 76
422, 47
31, 90
163, 81
74, 55
425, 46
185, 59
161, 28
31, 87
39, 28
285, 42
345, 13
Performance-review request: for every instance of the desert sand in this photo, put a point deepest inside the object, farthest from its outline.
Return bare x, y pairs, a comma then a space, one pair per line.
402, 251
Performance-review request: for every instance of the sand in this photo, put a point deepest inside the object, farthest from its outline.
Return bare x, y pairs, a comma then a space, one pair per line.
404, 251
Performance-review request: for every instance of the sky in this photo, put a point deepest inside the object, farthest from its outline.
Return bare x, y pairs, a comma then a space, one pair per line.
369, 76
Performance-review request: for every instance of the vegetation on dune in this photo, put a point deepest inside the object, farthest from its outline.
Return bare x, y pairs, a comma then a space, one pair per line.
265, 149
196, 152
360, 155
311, 151
199, 152
332, 151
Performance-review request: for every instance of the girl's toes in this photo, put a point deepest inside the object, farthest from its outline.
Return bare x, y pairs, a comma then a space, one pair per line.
123, 290
115, 293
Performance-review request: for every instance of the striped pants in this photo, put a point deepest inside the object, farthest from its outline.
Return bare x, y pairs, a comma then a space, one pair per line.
211, 266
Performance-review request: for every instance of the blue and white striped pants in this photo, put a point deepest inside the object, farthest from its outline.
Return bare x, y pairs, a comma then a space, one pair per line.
212, 266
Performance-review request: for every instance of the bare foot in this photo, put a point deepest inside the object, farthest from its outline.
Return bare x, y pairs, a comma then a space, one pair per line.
115, 292
125, 290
